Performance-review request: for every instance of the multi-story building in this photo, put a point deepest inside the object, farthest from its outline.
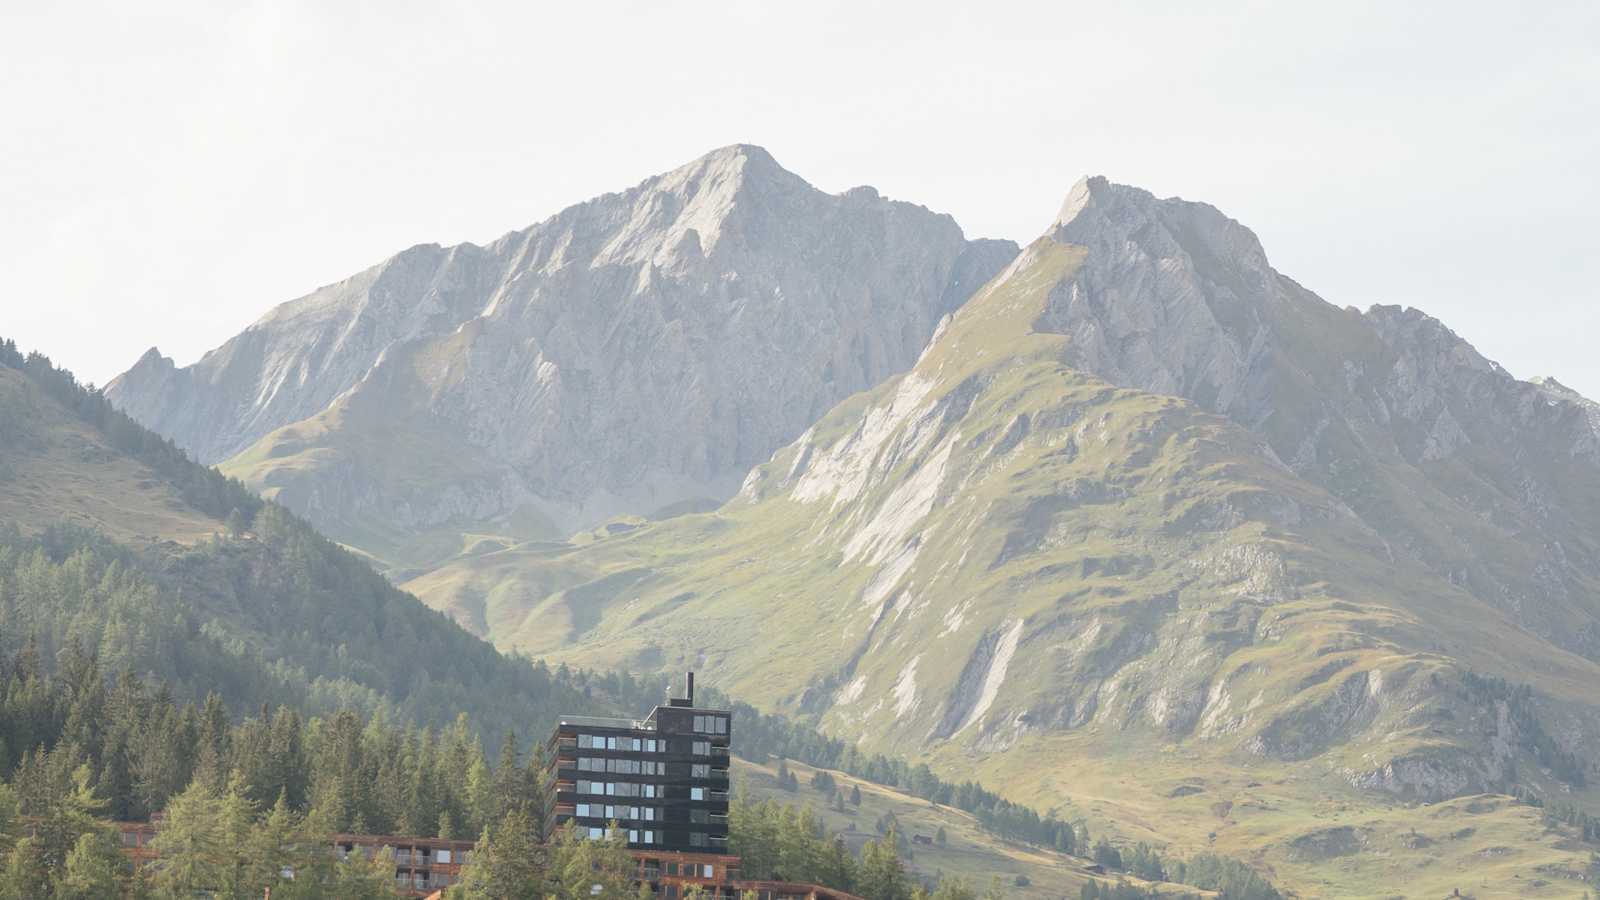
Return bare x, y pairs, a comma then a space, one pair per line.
663, 779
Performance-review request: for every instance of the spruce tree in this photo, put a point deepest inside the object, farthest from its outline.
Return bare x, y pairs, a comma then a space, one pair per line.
93, 870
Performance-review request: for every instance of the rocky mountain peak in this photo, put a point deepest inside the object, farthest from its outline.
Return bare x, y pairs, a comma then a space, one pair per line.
153, 357
631, 354
1103, 216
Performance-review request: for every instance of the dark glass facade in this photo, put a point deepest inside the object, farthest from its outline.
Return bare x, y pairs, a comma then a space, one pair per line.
662, 779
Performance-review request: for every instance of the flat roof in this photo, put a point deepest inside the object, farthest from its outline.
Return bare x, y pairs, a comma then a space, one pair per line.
645, 724
602, 722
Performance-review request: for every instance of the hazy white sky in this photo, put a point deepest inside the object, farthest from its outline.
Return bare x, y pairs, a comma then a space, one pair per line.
168, 172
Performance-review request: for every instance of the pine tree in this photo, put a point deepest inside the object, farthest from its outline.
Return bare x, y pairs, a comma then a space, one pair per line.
882, 875
855, 795
358, 878
954, 889
93, 869
8, 816
507, 863
211, 760
26, 876
583, 868
838, 868
271, 846
191, 852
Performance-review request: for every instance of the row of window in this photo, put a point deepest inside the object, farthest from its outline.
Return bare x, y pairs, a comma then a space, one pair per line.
653, 869
711, 724
608, 811
618, 788
635, 835
636, 767
650, 836
621, 766
629, 789
649, 745
613, 742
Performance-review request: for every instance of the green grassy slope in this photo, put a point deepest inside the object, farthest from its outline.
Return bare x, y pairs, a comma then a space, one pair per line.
969, 852
57, 469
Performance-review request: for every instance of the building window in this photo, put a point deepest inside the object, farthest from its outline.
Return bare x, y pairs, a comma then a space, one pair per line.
699, 770
708, 871
696, 793
697, 839
442, 857
701, 748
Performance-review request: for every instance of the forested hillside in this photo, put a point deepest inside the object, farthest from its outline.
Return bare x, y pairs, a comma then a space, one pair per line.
247, 600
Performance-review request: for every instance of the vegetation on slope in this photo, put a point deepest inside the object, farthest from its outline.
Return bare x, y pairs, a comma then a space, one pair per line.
257, 606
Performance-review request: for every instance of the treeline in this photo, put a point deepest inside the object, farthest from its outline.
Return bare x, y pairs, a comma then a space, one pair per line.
762, 736
782, 842
1122, 890
1586, 826
281, 617
57, 845
1232, 879
140, 748
1484, 691
202, 487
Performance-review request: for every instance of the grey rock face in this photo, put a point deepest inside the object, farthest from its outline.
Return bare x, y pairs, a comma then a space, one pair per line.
636, 351
1388, 409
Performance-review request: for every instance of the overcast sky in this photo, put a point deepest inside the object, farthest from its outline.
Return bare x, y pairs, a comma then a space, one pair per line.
169, 172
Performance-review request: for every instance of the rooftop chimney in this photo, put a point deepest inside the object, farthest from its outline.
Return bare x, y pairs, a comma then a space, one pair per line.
688, 692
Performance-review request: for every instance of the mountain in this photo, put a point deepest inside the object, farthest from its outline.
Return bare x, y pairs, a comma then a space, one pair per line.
634, 354
112, 541
1152, 535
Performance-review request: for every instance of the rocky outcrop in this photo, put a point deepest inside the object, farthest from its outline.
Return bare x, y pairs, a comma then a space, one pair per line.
632, 354
1391, 411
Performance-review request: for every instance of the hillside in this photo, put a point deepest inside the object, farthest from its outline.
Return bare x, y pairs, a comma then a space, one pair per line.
113, 541
969, 851
635, 354
1143, 594
57, 469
